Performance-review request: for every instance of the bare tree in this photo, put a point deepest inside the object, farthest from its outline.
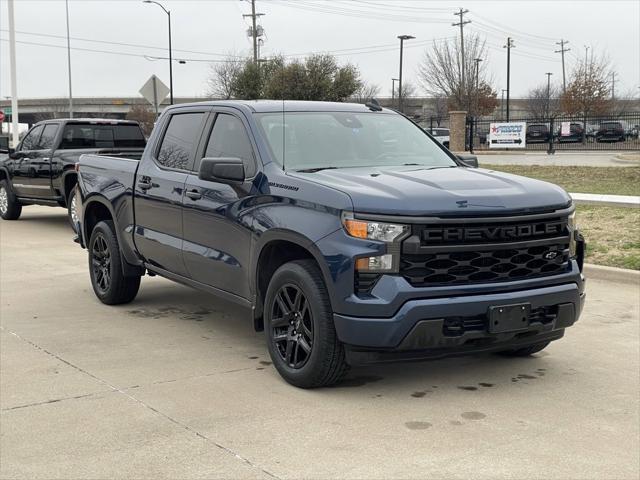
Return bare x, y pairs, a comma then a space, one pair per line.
408, 90
440, 73
222, 77
537, 101
142, 114
589, 90
365, 93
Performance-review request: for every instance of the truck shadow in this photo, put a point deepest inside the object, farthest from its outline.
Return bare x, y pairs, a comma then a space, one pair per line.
165, 301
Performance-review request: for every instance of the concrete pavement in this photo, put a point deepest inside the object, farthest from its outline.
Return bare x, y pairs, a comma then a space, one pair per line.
587, 159
176, 385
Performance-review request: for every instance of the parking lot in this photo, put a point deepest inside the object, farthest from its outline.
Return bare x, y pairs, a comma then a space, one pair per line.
178, 385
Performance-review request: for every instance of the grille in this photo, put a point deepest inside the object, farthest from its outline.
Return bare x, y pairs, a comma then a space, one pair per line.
479, 266
364, 282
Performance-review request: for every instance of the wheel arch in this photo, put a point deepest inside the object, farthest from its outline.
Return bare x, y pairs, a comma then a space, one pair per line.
273, 249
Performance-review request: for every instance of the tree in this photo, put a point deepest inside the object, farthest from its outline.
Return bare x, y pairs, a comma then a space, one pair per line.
221, 77
408, 90
144, 116
318, 77
440, 73
365, 93
537, 101
589, 90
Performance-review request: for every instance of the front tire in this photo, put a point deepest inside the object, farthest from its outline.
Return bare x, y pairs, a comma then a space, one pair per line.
301, 336
525, 351
10, 208
105, 268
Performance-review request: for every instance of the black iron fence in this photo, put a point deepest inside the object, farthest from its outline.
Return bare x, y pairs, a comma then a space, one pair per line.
563, 133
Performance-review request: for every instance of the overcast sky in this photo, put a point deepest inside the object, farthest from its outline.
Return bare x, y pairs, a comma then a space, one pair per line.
361, 32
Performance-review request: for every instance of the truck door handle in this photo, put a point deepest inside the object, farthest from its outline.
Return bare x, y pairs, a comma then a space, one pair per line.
193, 194
144, 184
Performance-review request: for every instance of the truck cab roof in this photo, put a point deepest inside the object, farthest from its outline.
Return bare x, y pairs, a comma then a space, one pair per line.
270, 106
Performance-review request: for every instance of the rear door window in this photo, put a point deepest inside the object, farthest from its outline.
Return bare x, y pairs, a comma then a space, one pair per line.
180, 140
48, 136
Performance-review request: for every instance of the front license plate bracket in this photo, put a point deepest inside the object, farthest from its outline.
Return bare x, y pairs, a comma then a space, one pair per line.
509, 318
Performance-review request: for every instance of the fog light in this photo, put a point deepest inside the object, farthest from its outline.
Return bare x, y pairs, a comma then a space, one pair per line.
382, 263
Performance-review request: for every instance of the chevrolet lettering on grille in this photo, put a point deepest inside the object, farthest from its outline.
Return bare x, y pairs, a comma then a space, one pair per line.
494, 232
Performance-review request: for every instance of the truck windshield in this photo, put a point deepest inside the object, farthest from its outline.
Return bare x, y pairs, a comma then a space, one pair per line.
89, 135
316, 140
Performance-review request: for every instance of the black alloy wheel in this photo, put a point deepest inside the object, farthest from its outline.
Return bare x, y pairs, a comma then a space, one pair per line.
292, 326
101, 263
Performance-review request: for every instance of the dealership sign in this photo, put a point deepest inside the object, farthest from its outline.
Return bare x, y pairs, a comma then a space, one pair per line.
507, 135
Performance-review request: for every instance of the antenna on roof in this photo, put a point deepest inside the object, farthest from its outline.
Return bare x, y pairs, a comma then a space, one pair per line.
373, 105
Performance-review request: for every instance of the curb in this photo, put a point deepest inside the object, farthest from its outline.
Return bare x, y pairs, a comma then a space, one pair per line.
611, 274
627, 201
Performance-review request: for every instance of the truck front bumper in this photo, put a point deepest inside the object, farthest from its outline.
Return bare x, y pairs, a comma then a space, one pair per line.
448, 326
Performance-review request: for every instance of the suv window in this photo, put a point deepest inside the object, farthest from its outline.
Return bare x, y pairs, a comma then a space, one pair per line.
180, 139
30, 142
48, 136
229, 139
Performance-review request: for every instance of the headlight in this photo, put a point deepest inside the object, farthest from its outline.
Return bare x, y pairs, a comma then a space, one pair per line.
573, 231
390, 233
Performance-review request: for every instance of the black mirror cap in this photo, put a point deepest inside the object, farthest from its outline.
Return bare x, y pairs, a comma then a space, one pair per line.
224, 170
470, 161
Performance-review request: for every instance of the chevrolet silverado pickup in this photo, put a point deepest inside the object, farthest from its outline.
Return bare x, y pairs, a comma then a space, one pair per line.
41, 170
350, 233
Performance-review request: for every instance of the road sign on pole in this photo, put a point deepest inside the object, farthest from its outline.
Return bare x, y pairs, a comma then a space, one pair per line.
154, 91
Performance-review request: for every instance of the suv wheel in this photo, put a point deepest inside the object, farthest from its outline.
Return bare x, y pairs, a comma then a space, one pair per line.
525, 351
105, 267
72, 210
301, 336
10, 208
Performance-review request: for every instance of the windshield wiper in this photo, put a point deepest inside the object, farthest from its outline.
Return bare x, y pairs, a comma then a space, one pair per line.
316, 169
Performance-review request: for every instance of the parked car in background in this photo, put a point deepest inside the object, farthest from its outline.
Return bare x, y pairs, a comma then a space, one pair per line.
538, 133
611, 132
41, 170
441, 135
576, 133
348, 232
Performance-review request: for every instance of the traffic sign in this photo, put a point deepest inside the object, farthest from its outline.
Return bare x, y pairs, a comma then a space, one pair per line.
154, 91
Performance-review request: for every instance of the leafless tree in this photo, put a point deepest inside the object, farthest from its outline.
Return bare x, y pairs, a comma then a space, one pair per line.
440, 74
537, 101
589, 90
365, 93
144, 116
408, 90
222, 77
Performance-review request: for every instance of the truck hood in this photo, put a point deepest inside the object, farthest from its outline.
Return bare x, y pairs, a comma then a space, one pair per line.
410, 190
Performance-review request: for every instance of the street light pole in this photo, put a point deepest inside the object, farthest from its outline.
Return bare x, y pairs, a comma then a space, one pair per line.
477, 95
69, 61
393, 89
15, 134
168, 12
502, 105
400, 95
548, 74
509, 46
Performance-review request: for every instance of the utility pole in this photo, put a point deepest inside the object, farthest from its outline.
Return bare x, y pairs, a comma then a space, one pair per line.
66, 3
509, 46
502, 105
400, 93
548, 74
254, 29
562, 51
15, 134
461, 24
477, 95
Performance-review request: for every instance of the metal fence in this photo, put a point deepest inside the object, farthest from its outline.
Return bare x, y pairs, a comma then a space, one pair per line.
614, 132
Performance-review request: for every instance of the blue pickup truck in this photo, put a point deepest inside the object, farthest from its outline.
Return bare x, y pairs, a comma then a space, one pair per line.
349, 232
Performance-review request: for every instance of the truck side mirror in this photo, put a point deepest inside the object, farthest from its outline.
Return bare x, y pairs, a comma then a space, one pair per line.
470, 161
223, 170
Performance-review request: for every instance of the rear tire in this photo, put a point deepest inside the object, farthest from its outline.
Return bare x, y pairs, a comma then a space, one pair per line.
525, 351
300, 333
10, 208
105, 267
71, 209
